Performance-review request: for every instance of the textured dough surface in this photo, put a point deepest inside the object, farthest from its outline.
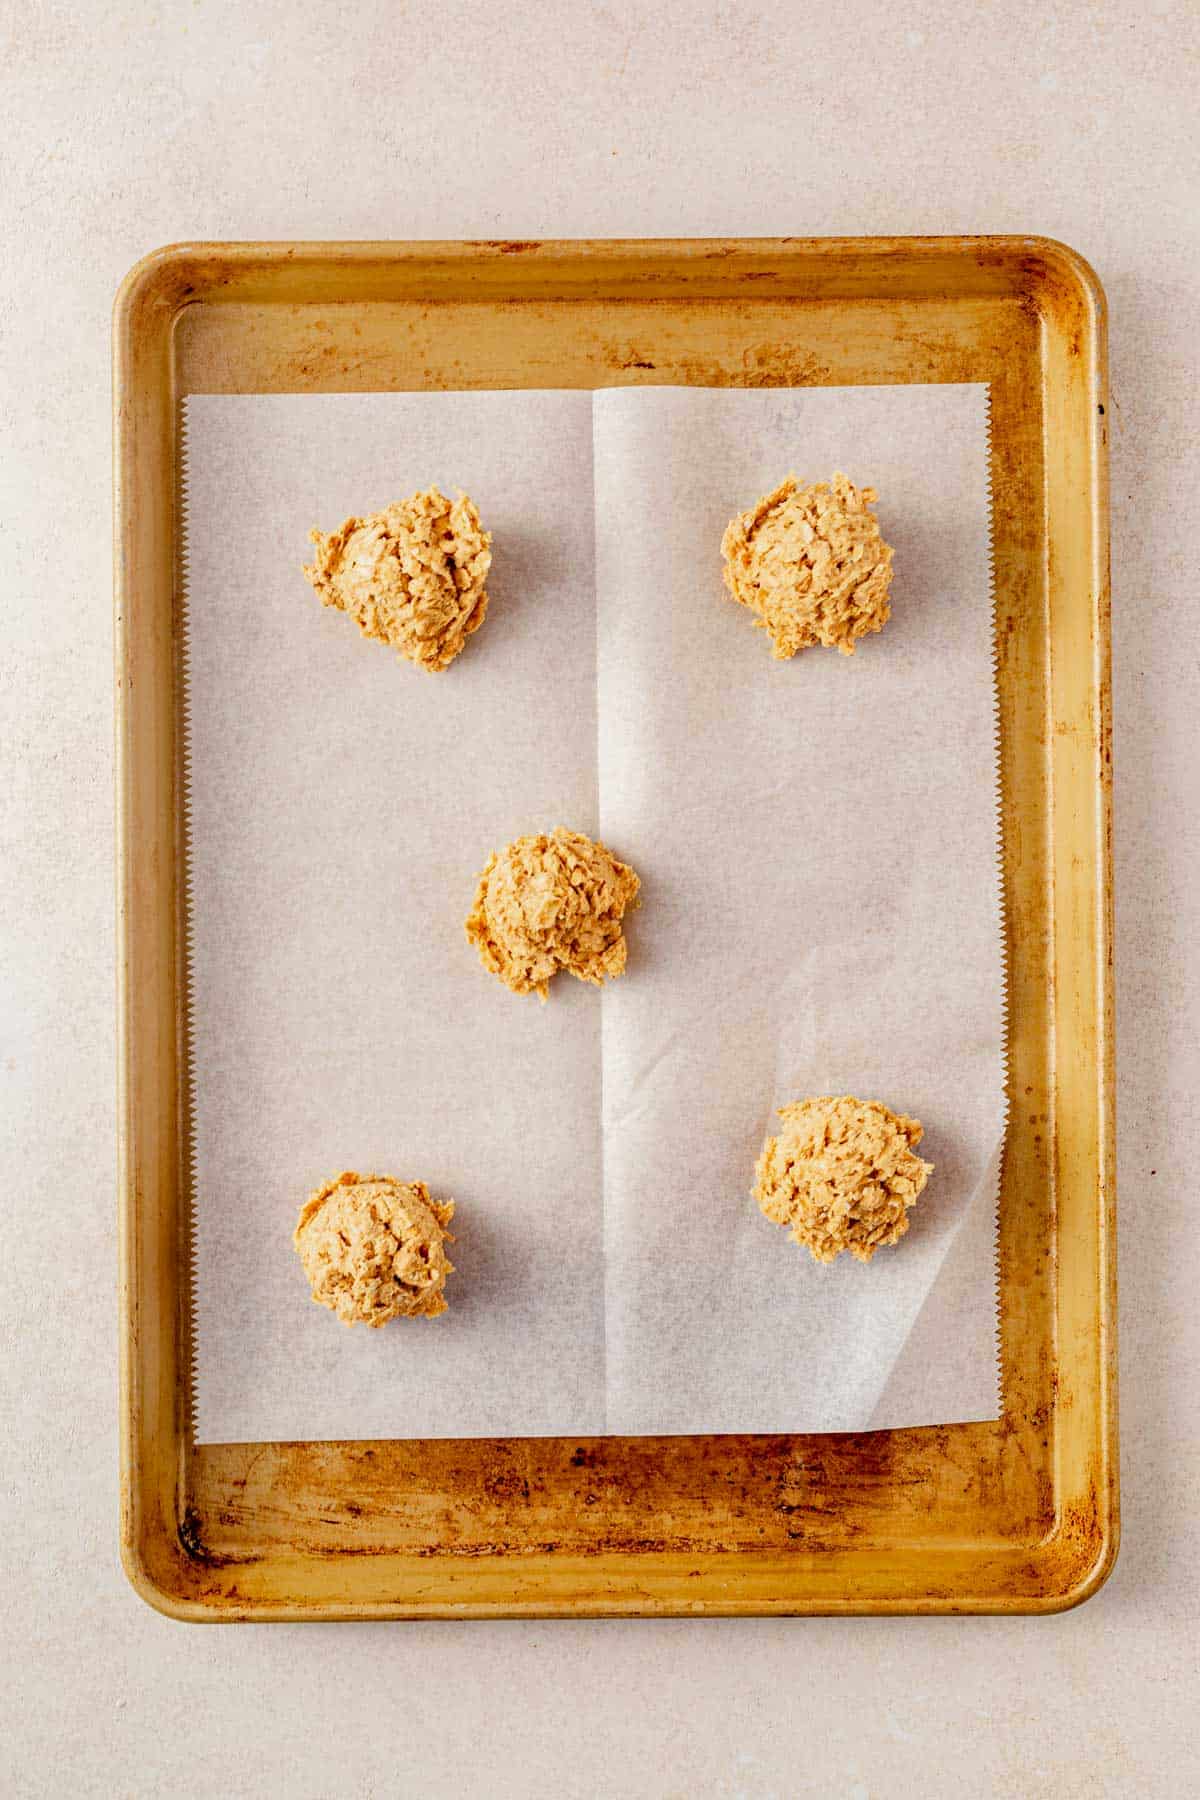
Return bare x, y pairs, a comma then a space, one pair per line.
550, 903
842, 1175
810, 564
374, 1248
412, 575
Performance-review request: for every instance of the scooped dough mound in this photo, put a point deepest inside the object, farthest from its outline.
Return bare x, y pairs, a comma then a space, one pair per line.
551, 903
810, 562
842, 1174
374, 1248
412, 575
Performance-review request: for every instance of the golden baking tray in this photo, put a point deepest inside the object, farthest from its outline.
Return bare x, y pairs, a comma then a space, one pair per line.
1018, 1516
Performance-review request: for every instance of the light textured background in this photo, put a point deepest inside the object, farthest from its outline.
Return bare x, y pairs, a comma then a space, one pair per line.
129, 125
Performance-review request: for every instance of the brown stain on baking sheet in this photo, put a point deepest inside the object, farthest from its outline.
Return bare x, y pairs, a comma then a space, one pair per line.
782, 365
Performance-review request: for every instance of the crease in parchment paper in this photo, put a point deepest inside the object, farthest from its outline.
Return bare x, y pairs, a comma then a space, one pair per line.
821, 912
600, 1117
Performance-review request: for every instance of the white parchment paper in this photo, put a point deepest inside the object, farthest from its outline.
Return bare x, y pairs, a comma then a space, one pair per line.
817, 840
821, 913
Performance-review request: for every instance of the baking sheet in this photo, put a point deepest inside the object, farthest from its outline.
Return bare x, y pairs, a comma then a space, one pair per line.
817, 843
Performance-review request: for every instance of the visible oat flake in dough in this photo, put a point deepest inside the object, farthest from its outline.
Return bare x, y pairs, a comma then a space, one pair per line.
548, 903
412, 575
842, 1174
374, 1248
810, 563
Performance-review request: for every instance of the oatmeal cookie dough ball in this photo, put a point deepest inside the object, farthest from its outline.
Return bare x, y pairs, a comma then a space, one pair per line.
412, 575
374, 1248
842, 1174
810, 563
550, 903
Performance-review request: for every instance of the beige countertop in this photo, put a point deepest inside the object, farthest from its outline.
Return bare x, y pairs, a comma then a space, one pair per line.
133, 124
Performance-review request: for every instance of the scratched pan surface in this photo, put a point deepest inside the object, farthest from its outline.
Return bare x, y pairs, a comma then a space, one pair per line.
1021, 1515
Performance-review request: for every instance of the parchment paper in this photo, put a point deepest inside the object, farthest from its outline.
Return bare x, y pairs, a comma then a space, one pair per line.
821, 913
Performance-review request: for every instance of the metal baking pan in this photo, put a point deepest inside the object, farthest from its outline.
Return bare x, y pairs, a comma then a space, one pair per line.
1016, 1516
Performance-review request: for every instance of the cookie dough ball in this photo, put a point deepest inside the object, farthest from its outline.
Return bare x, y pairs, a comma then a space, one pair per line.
842, 1174
551, 903
374, 1248
810, 562
412, 575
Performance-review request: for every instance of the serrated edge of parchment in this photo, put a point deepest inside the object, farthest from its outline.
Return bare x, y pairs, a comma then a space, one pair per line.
184, 879
1001, 896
